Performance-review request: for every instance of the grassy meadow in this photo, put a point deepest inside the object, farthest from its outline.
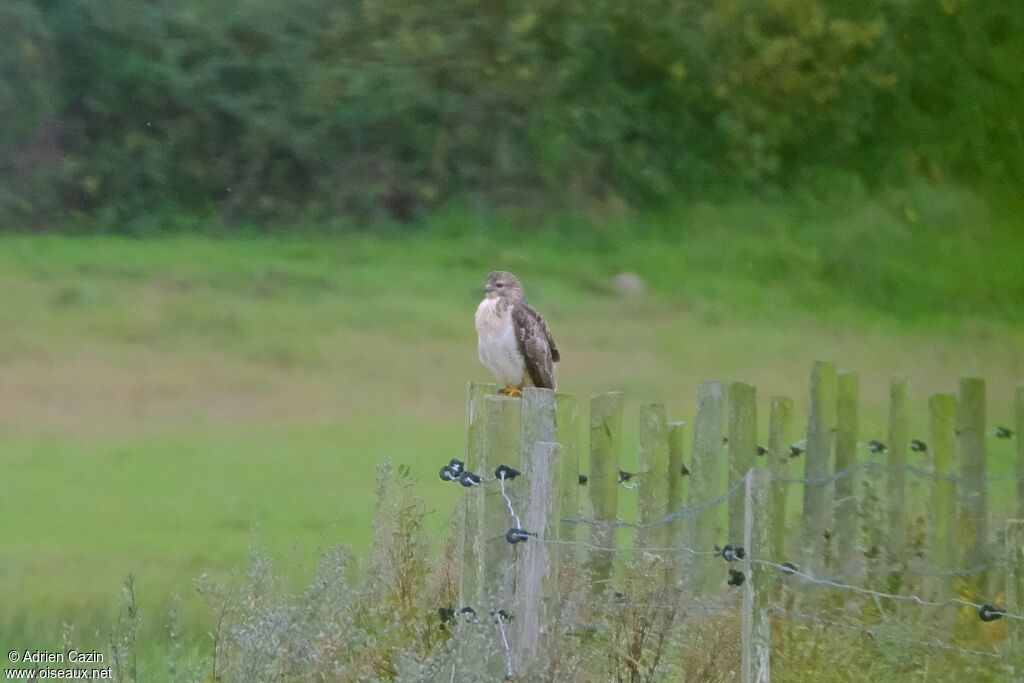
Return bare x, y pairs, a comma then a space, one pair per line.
165, 400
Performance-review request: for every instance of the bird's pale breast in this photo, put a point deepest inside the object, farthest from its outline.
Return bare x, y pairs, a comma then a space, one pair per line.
496, 342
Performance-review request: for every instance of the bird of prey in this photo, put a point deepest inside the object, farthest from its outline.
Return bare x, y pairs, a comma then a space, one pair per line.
514, 342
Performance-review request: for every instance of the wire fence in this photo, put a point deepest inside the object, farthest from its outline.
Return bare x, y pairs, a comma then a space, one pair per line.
886, 580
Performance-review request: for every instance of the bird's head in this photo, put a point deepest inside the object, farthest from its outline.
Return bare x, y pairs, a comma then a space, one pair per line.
502, 283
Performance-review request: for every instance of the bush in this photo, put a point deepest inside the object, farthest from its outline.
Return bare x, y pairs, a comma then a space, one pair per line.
268, 109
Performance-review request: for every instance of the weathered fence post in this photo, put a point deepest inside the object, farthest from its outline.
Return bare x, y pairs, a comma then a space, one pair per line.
677, 491
1015, 586
502, 446
780, 434
1019, 435
605, 447
568, 437
540, 426
539, 412
895, 538
535, 577
970, 424
757, 589
653, 460
472, 513
942, 411
820, 423
706, 477
846, 521
742, 449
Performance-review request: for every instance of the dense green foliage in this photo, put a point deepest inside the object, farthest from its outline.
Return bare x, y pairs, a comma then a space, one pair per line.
266, 108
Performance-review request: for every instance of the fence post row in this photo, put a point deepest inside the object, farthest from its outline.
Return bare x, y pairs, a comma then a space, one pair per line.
539, 436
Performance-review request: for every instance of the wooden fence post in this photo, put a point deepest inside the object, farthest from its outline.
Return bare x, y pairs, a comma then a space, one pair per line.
677, 490
757, 589
472, 513
895, 538
1015, 586
536, 574
821, 421
942, 411
567, 430
1019, 435
605, 447
538, 418
970, 423
846, 520
503, 446
539, 426
742, 449
706, 478
780, 435
653, 459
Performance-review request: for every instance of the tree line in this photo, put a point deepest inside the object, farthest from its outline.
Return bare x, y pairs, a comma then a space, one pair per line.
265, 109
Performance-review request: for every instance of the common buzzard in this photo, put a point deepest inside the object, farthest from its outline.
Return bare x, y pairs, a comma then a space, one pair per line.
514, 342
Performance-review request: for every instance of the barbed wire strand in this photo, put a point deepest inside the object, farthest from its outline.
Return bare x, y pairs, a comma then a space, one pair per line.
807, 578
679, 513
914, 568
831, 582
881, 466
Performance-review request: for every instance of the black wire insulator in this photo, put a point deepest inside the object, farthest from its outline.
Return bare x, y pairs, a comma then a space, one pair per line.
991, 612
506, 472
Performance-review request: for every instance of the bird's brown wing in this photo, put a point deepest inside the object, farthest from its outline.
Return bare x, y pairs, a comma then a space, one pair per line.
536, 345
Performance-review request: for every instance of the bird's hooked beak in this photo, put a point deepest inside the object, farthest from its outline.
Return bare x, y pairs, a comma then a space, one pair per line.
490, 291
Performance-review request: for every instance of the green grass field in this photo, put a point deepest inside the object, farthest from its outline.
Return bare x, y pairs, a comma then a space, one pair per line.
165, 400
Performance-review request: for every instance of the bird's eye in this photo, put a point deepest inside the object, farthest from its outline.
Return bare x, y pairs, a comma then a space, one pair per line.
498, 285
